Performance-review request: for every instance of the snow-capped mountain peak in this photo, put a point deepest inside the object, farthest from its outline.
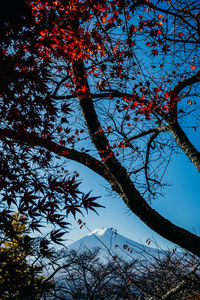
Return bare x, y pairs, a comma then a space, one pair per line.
101, 231
112, 243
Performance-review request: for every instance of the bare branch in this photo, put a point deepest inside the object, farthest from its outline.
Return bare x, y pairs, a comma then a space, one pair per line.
184, 143
152, 138
34, 140
185, 83
147, 132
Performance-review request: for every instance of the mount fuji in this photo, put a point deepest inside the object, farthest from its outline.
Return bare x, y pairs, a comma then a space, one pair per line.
112, 243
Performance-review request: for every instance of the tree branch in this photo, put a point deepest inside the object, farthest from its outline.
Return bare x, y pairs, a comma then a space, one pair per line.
57, 270
176, 289
184, 143
152, 138
186, 82
106, 94
59, 85
147, 132
32, 139
132, 198
167, 11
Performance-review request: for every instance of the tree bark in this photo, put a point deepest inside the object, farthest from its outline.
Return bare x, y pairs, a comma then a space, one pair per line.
184, 143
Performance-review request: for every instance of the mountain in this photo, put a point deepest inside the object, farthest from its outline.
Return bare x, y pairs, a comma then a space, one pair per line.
113, 247
112, 243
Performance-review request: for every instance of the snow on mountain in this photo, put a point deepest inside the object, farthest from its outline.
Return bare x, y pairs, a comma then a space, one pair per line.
112, 243
112, 246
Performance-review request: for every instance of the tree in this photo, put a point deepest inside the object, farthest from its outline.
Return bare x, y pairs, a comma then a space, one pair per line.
19, 277
84, 61
89, 276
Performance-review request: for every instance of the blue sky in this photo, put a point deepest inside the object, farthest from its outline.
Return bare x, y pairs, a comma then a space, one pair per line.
180, 204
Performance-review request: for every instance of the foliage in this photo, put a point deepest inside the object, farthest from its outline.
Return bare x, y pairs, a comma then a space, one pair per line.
19, 277
108, 84
88, 276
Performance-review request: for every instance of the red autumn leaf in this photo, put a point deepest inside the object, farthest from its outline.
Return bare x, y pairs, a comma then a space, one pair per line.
165, 49
59, 129
83, 90
103, 21
166, 96
148, 44
4, 52
154, 52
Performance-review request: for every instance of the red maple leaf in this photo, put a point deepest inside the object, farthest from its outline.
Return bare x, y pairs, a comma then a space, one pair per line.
83, 90
154, 52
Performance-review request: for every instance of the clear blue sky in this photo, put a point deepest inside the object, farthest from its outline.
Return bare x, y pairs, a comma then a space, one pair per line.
180, 204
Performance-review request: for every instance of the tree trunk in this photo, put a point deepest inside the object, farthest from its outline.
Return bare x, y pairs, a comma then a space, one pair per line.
184, 143
119, 179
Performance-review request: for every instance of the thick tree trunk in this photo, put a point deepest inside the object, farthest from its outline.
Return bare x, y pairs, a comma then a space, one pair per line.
119, 178
184, 143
